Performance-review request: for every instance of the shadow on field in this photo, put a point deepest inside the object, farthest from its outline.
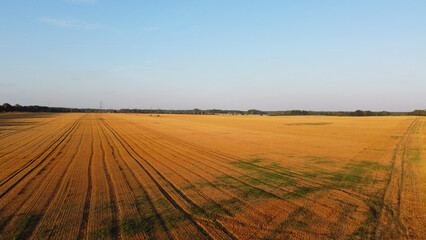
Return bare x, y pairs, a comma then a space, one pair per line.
15, 123
11, 116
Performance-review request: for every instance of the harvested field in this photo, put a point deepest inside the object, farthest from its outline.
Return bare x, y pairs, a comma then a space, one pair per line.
135, 176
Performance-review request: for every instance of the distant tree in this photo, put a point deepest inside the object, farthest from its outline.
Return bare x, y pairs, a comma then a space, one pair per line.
383, 113
359, 113
369, 113
418, 113
7, 107
298, 112
254, 111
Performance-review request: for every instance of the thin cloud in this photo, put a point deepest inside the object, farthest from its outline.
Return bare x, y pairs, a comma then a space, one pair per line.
110, 92
63, 23
151, 29
72, 24
7, 84
85, 2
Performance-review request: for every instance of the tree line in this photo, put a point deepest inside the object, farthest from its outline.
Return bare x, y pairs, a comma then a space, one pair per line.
35, 108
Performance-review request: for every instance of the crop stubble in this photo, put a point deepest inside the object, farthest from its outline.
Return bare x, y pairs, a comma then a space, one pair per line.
134, 176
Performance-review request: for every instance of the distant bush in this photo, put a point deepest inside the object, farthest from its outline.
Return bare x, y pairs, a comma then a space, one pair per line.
418, 113
6, 107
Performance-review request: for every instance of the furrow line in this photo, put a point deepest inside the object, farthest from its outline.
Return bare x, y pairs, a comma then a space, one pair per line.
249, 177
397, 171
36, 143
145, 193
21, 130
221, 156
51, 149
47, 202
83, 227
163, 191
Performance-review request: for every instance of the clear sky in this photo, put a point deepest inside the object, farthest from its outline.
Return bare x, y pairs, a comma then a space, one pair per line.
230, 54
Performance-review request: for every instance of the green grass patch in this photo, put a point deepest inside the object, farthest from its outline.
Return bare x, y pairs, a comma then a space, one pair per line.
302, 191
256, 193
305, 190
414, 155
198, 211
309, 174
217, 209
242, 189
136, 202
25, 226
343, 177
227, 182
3, 221
365, 230
325, 162
300, 218
320, 160
374, 165
272, 173
298, 224
108, 228
233, 204
365, 166
256, 160
43, 233
172, 221
134, 226
187, 187
246, 165
161, 201
355, 173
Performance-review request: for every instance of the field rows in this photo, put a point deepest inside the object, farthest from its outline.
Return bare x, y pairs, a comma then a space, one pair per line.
118, 176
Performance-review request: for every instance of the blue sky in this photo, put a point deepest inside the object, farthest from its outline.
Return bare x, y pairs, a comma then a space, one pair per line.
264, 54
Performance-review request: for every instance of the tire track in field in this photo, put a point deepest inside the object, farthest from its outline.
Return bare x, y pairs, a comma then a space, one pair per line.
233, 196
112, 196
21, 130
188, 156
51, 149
37, 143
86, 210
161, 188
193, 187
111, 190
61, 181
391, 204
221, 156
175, 172
38, 217
22, 156
206, 197
291, 175
27, 135
173, 152
241, 174
32, 149
17, 171
145, 193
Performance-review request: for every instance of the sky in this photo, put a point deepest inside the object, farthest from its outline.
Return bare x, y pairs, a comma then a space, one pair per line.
226, 54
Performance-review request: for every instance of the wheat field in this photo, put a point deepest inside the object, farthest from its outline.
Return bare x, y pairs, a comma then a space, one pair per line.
141, 176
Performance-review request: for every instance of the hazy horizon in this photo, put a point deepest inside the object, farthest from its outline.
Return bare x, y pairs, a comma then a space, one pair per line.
267, 55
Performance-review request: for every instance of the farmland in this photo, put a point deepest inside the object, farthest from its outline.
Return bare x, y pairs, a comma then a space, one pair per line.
137, 176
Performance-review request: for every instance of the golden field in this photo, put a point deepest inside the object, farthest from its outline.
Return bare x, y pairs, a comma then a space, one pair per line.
136, 176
